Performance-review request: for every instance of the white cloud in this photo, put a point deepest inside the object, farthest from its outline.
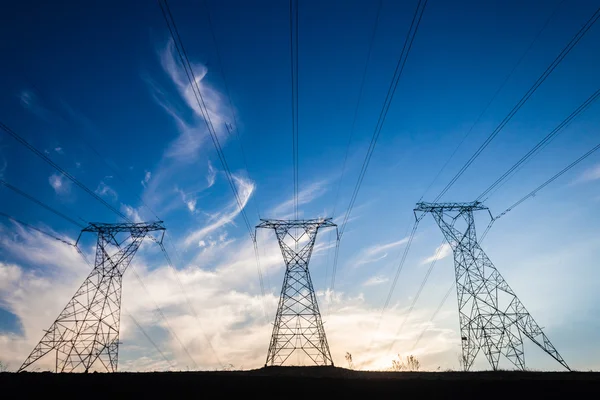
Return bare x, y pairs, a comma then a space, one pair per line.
377, 252
191, 138
60, 184
27, 98
191, 205
59, 150
146, 179
590, 174
245, 188
212, 175
131, 213
375, 280
104, 190
441, 252
305, 196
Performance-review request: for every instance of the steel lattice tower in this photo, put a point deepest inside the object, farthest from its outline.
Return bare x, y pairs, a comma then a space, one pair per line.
298, 325
87, 330
491, 316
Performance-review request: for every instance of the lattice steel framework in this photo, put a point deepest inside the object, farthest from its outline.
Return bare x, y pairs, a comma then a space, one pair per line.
298, 325
86, 333
491, 316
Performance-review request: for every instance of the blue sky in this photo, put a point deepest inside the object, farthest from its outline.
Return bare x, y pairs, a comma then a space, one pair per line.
100, 89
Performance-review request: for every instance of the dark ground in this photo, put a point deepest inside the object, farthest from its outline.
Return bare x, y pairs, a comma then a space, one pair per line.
296, 382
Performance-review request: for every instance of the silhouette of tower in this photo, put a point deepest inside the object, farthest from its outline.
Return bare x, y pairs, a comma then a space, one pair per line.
86, 333
298, 325
491, 316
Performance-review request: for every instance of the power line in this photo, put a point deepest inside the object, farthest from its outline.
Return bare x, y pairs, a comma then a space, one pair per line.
150, 339
360, 94
435, 313
174, 32
294, 75
10, 217
582, 107
546, 183
162, 315
40, 203
416, 298
524, 99
489, 103
59, 169
228, 92
408, 42
350, 136
170, 263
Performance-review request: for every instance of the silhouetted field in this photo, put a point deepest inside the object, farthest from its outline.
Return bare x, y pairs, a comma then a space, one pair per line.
285, 382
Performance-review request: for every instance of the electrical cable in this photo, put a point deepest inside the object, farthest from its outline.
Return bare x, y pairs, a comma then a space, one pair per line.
59, 169
40, 203
584, 29
582, 107
410, 36
496, 93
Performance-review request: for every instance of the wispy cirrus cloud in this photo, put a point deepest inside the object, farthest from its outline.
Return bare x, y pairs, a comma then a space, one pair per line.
179, 102
375, 280
245, 189
306, 195
211, 176
590, 174
104, 189
441, 252
377, 252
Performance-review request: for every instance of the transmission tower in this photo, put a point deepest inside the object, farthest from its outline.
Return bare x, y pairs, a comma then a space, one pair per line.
298, 325
490, 314
86, 332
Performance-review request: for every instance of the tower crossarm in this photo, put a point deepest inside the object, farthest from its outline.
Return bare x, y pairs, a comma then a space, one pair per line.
445, 207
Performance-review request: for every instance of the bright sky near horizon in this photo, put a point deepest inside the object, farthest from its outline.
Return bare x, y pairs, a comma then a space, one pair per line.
99, 88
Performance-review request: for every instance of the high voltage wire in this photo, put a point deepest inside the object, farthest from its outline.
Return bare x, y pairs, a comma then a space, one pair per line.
546, 183
163, 316
435, 313
416, 298
524, 99
174, 32
47, 207
8, 216
228, 92
496, 93
59, 169
170, 263
401, 265
358, 101
150, 339
582, 107
294, 76
408, 42
350, 136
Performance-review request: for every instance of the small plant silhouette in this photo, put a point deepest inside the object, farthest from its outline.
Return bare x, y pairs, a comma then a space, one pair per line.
412, 364
349, 360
